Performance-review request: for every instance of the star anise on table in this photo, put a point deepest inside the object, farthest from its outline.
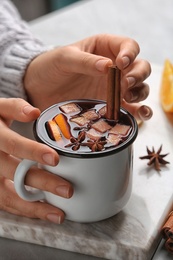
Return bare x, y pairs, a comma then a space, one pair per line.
76, 142
95, 145
155, 158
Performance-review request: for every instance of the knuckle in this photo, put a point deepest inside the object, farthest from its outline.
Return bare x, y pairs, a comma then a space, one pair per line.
7, 201
46, 184
135, 46
146, 68
134, 43
36, 152
32, 212
85, 60
18, 101
11, 146
62, 53
36, 210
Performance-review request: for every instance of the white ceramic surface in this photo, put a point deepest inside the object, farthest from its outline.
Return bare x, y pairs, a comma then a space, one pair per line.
134, 233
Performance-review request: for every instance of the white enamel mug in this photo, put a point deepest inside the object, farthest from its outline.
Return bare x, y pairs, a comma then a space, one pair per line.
102, 180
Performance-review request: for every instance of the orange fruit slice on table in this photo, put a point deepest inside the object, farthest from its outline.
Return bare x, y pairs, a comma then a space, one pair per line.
166, 89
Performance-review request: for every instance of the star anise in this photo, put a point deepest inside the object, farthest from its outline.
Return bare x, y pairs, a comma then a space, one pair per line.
155, 158
95, 145
76, 142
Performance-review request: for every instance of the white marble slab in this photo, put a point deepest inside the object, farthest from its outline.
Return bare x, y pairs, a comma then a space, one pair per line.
135, 232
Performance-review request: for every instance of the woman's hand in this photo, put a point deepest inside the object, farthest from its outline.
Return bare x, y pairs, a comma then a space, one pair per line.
79, 71
13, 148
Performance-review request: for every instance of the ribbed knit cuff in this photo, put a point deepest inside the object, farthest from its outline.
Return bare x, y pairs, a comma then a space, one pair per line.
13, 66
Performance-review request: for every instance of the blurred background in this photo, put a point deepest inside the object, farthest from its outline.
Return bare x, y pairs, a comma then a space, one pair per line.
150, 23
41, 7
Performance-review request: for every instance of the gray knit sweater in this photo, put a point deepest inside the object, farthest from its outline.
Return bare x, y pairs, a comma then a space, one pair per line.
17, 48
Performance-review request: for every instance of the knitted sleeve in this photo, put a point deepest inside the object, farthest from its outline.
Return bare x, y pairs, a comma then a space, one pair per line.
17, 48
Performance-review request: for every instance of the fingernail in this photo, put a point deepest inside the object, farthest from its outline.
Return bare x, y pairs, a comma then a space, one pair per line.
64, 191
101, 64
48, 159
126, 61
131, 81
57, 219
27, 109
145, 112
130, 96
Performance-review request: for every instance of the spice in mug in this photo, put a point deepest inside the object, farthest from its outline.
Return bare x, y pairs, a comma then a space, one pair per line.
83, 126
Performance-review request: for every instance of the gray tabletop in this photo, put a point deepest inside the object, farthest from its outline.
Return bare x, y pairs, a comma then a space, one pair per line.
149, 22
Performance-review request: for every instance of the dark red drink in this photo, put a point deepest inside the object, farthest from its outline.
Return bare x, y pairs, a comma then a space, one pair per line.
81, 127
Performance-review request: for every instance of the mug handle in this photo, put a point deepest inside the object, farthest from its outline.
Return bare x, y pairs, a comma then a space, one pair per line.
19, 178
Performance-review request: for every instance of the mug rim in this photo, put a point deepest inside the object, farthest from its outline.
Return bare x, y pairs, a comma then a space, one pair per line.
78, 154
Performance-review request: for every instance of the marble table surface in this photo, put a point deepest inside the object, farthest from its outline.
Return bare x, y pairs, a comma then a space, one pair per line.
134, 233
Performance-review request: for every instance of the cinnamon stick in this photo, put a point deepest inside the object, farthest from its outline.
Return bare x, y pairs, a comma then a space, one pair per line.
169, 245
113, 93
167, 233
170, 233
167, 229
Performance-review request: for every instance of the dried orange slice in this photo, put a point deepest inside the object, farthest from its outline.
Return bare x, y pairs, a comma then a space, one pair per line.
61, 121
166, 89
53, 130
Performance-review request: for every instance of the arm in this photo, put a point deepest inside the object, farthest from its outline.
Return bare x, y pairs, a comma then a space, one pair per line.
18, 47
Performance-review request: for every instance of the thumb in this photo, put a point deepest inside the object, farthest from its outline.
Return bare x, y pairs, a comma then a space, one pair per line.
17, 109
78, 61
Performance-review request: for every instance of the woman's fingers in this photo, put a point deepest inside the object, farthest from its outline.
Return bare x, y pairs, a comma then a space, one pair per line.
81, 69
93, 55
17, 109
136, 73
14, 144
81, 62
133, 87
137, 93
129, 49
35, 177
121, 50
49, 182
12, 203
140, 112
